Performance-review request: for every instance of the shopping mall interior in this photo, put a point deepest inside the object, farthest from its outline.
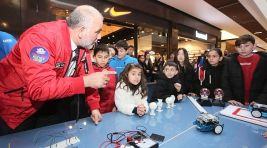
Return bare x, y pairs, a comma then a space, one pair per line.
158, 26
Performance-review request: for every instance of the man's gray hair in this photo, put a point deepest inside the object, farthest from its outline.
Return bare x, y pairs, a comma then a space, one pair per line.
82, 16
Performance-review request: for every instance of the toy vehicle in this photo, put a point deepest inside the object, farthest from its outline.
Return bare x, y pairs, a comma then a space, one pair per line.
207, 122
258, 110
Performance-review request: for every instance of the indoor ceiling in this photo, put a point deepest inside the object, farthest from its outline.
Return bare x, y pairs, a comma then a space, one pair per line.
235, 16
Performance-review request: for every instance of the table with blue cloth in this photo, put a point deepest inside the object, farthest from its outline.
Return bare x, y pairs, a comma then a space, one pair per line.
176, 124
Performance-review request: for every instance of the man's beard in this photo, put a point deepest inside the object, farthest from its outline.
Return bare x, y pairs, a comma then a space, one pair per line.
90, 46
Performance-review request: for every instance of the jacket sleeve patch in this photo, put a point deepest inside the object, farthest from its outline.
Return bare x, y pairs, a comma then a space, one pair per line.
39, 54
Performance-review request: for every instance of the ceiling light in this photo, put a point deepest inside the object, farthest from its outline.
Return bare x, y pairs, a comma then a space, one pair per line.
258, 32
106, 10
4, 24
227, 35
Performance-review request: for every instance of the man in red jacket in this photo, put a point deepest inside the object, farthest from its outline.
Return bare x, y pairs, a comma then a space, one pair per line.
50, 61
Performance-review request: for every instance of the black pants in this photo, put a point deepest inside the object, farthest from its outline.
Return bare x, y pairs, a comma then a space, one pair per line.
52, 112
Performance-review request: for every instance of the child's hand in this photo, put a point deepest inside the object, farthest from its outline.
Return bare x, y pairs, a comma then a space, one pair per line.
265, 134
178, 86
114, 109
192, 94
141, 110
236, 103
253, 102
179, 97
96, 116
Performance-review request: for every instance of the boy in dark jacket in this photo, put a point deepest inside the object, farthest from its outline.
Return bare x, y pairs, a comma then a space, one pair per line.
168, 83
245, 74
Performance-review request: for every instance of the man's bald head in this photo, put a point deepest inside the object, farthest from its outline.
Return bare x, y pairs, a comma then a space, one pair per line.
83, 16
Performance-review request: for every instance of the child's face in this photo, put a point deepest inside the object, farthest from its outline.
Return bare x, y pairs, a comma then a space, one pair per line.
134, 76
245, 50
170, 71
121, 52
111, 52
147, 56
101, 58
214, 58
172, 57
180, 56
142, 58
130, 51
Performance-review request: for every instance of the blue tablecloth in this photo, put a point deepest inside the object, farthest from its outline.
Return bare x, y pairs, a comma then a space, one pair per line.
175, 124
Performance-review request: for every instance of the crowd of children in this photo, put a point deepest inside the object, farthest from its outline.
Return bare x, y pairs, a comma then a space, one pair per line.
241, 76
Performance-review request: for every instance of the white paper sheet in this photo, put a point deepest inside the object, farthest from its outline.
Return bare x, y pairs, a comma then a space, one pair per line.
242, 114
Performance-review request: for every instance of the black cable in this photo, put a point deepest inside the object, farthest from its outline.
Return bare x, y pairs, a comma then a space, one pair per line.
117, 137
141, 128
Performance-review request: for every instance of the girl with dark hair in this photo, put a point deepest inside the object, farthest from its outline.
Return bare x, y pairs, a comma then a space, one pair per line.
186, 71
171, 57
131, 91
147, 66
158, 65
212, 71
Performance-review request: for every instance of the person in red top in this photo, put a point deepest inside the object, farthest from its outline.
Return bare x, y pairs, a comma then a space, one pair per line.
50, 61
245, 74
101, 56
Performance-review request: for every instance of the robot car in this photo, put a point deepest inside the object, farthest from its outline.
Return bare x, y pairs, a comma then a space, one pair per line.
207, 122
258, 110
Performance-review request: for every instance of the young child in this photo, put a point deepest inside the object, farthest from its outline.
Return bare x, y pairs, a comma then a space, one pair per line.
101, 56
168, 83
211, 71
131, 91
118, 62
158, 65
147, 65
186, 71
245, 74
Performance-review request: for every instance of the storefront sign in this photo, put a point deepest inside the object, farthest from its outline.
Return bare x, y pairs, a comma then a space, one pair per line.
203, 36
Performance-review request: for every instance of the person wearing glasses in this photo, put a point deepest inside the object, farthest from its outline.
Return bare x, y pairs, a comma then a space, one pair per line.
50, 62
